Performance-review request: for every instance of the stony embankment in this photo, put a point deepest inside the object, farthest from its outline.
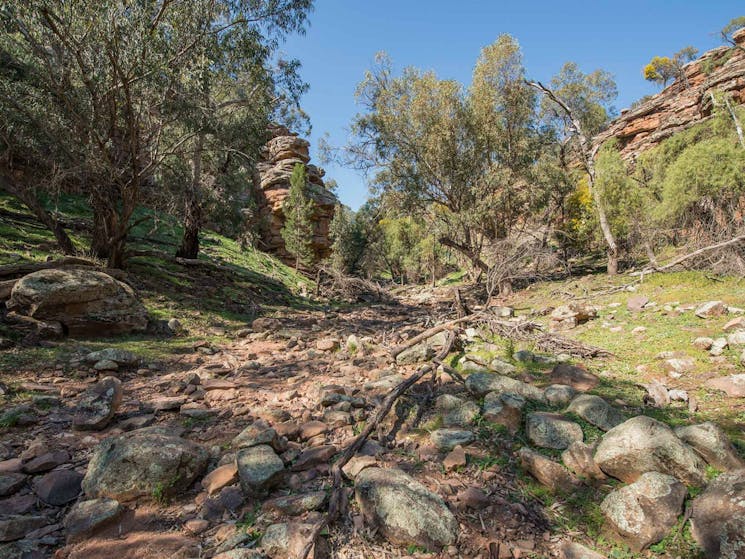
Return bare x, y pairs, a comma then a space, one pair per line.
225, 451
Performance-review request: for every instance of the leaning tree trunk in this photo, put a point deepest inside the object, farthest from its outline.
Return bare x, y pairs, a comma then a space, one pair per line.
189, 247
50, 222
588, 155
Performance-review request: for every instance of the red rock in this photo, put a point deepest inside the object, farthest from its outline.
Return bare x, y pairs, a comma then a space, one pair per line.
218, 478
455, 459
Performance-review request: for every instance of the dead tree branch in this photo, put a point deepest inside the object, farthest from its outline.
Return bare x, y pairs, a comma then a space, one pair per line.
694, 254
335, 500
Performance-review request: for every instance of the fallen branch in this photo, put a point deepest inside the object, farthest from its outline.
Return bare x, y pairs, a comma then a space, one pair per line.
529, 331
431, 332
335, 500
695, 253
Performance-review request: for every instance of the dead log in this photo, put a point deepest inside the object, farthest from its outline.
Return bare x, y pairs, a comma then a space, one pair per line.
337, 491
694, 254
431, 332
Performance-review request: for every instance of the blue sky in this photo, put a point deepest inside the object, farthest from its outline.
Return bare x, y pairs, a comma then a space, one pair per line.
446, 36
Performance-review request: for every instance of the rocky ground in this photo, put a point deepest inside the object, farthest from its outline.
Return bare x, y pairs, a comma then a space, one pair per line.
224, 448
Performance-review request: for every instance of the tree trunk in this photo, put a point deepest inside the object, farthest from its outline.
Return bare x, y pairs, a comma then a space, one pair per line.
189, 247
32, 203
736, 120
466, 251
610, 239
100, 242
588, 154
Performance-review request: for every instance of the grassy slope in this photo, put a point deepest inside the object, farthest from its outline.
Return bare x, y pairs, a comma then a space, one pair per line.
209, 302
634, 362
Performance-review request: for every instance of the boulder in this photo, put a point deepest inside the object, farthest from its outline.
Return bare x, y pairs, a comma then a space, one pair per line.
715, 514
548, 473
86, 302
118, 356
579, 458
572, 550
642, 444
143, 463
504, 408
258, 433
86, 517
15, 527
480, 384
403, 510
259, 469
551, 430
295, 505
59, 487
288, 539
644, 512
596, 411
448, 439
10, 483
559, 394
733, 386
575, 376
712, 444
636, 303
711, 308
455, 411
97, 405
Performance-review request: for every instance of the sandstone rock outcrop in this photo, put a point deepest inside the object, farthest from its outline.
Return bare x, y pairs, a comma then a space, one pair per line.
683, 103
272, 186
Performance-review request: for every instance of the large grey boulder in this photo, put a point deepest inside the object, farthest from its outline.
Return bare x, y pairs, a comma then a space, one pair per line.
642, 444
259, 469
712, 444
143, 463
596, 411
480, 384
403, 510
86, 302
644, 512
551, 430
717, 517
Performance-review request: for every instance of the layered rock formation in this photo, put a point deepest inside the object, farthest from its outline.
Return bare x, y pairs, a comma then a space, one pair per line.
272, 186
683, 103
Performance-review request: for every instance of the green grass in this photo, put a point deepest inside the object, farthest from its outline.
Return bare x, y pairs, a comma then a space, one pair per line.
235, 285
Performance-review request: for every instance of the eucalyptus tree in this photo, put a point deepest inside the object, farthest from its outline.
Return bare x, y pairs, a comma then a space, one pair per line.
458, 154
577, 106
116, 79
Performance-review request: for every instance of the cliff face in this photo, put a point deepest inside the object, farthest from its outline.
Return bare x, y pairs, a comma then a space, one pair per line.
272, 186
683, 103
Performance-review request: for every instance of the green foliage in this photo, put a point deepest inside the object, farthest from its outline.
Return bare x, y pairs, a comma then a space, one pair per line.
349, 240
124, 93
619, 193
9, 419
731, 27
711, 169
662, 69
298, 211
